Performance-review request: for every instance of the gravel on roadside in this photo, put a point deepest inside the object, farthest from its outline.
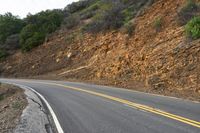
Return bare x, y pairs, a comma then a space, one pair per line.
12, 103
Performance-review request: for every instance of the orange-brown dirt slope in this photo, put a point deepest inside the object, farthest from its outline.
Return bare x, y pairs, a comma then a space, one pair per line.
163, 61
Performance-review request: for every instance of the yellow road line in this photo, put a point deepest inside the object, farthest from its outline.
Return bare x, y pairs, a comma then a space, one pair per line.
132, 104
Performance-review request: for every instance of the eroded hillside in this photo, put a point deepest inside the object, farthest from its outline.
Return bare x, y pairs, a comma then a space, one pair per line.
156, 57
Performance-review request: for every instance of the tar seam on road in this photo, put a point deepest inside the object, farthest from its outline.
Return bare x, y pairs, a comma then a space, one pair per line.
55, 119
131, 104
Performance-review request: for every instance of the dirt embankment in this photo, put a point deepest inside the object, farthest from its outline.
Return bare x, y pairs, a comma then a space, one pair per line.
12, 103
161, 61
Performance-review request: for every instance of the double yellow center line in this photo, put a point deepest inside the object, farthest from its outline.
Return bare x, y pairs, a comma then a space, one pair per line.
134, 105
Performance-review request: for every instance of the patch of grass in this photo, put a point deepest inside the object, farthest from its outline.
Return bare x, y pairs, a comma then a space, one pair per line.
193, 28
16, 105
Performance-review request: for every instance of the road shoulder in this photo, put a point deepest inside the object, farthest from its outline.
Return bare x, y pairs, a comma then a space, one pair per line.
35, 116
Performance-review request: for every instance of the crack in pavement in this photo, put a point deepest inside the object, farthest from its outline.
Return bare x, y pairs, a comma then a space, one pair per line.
40, 106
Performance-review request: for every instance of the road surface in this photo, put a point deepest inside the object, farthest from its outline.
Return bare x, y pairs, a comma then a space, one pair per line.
86, 108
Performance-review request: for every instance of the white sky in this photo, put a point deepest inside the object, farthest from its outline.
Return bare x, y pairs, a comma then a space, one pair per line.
23, 7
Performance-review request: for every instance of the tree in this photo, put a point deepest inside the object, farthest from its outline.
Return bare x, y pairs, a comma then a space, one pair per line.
9, 25
38, 26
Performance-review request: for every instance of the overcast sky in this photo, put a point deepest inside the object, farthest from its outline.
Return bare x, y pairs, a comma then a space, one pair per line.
23, 7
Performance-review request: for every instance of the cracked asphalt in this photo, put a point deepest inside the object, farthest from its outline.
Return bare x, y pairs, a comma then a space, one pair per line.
33, 119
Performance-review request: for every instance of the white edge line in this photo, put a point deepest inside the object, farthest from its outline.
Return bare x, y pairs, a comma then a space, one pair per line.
58, 126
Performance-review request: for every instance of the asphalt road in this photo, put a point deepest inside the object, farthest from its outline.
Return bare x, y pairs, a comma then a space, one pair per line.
86, 108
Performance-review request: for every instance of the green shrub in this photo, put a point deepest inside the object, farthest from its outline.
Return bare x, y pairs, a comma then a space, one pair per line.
30, 37
3, 54
71, 21
87, 15
106, 20
78, 6
12, 42
70, 38
190, 10
193, 28
90, 11
47, 21
133, 8
158, 23
26, 33
35, 40
129, 13
128, 28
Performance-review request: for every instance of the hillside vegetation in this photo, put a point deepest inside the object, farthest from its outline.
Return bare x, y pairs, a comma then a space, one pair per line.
32, 31
150, 45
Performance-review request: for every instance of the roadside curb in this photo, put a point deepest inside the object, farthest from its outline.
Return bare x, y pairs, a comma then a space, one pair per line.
34, 118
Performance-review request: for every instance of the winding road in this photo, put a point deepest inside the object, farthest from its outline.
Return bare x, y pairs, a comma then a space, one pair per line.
87, 108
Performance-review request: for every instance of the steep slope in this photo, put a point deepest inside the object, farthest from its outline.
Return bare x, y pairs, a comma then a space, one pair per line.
163, 61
